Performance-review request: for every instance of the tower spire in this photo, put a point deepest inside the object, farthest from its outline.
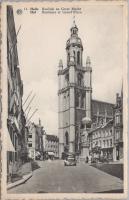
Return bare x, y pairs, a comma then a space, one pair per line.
74, 24
74, 29
60, 64
88, 62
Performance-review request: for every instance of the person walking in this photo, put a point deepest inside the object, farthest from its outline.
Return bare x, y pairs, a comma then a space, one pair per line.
87, 159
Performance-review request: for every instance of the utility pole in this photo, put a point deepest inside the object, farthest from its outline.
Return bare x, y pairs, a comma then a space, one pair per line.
32, 115
27, 98
30, 102
28, 112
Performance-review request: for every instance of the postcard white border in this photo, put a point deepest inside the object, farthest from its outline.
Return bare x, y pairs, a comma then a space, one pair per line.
65, 196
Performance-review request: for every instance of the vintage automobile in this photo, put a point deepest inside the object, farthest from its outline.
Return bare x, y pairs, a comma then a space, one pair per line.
70, 160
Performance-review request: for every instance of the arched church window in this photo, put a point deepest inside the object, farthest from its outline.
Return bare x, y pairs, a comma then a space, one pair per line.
80, 79
68, 57
66, 138
67, 79
74, 54
78, 57
64, 102
83, 101
77, 101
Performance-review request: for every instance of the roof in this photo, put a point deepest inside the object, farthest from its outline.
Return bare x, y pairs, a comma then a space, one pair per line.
52, 138
101, 107
50, 153
108, 124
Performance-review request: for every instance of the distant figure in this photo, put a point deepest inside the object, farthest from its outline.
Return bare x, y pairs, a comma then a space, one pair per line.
87, 159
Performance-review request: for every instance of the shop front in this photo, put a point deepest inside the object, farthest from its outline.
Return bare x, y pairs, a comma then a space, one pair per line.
107, 153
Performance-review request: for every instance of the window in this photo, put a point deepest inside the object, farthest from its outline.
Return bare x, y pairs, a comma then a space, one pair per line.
30, 145
30, 136
83, 101
67, 138
96, 135
68, 57
78, 57
104, 143
77, 100
117, 135
117, 119
110, 142
80, 79
106, 133
103, 133
74, 31
67, 79
74, 54
88, 126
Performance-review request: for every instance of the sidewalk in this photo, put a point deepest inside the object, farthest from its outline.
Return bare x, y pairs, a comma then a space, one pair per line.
114, 169
24, 173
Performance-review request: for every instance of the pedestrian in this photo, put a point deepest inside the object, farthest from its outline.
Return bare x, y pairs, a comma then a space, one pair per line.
87, 159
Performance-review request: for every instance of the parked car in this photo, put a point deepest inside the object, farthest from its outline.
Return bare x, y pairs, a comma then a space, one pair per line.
70, 160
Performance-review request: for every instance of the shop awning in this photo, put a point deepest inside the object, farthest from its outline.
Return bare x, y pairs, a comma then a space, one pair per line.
10, 146
51, 153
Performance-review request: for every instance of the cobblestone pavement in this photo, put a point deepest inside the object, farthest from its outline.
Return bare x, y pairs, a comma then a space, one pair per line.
53, 176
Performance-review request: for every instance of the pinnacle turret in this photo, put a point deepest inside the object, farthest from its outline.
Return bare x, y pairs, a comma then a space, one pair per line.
88, 62
74, 29
60, 64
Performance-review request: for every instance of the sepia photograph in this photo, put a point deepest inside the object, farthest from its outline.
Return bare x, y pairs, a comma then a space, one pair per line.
64, 100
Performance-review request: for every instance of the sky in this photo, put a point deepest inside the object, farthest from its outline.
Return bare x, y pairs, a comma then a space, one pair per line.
41, 44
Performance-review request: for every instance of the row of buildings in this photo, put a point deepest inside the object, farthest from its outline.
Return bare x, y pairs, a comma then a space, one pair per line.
41, 145
87, 127
24, 140
16, 122
106, 138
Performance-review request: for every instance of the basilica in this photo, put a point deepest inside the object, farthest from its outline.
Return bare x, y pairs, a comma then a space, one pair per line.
78, 113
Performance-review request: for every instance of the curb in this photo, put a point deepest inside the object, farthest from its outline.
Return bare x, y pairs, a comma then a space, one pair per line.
23, 180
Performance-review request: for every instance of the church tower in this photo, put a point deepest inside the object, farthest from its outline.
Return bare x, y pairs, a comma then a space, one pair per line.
74, 94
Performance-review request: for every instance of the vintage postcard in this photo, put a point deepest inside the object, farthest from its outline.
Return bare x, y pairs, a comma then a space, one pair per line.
64, 100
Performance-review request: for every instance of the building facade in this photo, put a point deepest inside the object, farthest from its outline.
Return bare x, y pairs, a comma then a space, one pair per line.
118, 127
52, 146
101, 112
16, 119
74, 94
101, 141
35, 140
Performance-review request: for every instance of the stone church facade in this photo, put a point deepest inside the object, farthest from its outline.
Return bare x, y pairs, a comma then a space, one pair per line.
76, 109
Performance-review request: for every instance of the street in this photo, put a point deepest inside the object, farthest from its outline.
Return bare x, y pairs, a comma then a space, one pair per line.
54, 177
